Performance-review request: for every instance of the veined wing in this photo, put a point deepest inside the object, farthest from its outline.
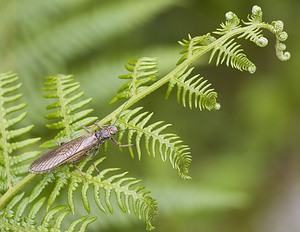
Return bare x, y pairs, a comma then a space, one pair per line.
61, 154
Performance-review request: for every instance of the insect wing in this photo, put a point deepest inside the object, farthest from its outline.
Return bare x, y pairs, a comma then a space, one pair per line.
62, 154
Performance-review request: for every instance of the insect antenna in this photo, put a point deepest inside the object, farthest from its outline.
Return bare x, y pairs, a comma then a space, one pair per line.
113, 124
117, 117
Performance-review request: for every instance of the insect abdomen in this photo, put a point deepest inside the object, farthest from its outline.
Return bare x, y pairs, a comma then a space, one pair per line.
71, 151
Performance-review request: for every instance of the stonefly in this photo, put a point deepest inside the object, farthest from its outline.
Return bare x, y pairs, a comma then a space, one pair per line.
76, 149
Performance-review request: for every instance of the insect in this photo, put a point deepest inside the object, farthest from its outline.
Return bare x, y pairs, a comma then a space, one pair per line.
76, 149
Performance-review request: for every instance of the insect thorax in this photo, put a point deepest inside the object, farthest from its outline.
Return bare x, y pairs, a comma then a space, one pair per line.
106, 132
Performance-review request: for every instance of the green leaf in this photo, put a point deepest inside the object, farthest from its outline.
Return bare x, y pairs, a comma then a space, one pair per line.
230, 51
142, 71
193, 91
12, 165
169, 146
23, 215
68, 107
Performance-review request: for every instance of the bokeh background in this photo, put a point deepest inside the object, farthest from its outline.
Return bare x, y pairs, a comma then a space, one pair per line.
245, 165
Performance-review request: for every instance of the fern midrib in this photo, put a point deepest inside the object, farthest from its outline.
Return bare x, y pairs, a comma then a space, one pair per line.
62, 100
5, 143
133, 86
16, 188
155, 137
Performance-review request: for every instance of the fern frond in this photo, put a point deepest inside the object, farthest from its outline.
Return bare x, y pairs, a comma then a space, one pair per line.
232, 23
231, 52
276, 27
193, 45
85, 222
22, 215
12, 166
68, 115
193, 89
253, 34
256, 36
128, 196
142, 72
167, 145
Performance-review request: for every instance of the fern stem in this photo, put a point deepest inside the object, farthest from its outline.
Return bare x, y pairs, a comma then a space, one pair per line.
15, 189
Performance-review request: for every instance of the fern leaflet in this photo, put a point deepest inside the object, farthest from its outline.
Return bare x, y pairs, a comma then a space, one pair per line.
12, 167
68, 116
234, 56
169, 146
105, 184
22, 215
194, 45
229, 50
193, 88
142, 71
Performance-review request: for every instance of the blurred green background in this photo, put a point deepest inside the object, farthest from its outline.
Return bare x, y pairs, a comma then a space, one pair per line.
245, 156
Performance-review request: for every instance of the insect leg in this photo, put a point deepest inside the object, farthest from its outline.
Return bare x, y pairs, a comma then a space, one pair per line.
80, 171
96, 168
86, 129
92, 156
100, 127
121, 145
94, 152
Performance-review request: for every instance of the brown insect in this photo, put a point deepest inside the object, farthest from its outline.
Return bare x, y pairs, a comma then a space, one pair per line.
76, 149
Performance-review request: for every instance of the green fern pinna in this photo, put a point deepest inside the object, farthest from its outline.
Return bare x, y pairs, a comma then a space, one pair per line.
41, 209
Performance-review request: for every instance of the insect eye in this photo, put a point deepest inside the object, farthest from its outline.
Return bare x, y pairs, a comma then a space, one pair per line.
113, 130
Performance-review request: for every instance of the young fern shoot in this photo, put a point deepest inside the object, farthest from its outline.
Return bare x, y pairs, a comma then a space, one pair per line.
227, 50
193, 91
